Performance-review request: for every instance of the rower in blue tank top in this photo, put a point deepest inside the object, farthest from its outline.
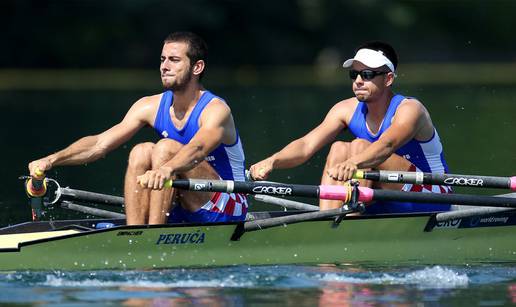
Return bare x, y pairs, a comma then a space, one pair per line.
392, 132
426, 156
199, 140
227, 160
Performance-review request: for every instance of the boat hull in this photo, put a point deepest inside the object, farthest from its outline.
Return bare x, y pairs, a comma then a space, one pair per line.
376, 240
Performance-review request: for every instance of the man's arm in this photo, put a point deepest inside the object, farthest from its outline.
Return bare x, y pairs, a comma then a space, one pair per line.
300, 150
215, 124
91, 148
408, 122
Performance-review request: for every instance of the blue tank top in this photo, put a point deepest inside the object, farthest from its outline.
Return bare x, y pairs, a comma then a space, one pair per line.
427, 156
227, 160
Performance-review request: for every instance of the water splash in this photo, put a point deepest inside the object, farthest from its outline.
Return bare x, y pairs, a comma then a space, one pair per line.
428, 278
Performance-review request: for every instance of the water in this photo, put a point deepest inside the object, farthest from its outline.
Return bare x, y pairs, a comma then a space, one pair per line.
282, 285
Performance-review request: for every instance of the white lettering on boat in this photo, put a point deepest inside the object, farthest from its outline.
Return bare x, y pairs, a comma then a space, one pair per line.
464, 181
272, 190
502, 219
449, 224
197, 237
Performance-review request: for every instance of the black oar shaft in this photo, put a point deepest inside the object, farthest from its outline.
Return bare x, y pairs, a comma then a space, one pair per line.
292, 219
286, 203
257, 187
461, 199
92, 211
439, 178
98, 198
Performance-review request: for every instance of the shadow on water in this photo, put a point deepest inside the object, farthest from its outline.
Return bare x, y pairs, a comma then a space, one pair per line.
474, 123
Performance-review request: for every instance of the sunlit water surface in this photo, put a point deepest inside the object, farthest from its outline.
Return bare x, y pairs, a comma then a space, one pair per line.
490, 285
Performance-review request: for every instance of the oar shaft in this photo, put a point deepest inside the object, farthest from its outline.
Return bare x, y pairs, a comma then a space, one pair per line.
418, 197
435, 178
248, 187
286, 203
292, 219
92, 211
98, 198
338, 192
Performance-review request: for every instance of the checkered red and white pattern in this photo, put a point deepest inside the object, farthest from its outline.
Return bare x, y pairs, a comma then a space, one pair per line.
425, 188
232, 204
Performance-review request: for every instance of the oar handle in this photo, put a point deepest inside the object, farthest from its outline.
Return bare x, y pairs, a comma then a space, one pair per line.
36, 186
438, 178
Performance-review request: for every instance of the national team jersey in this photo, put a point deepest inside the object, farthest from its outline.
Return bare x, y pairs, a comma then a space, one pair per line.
426, 156
227, 160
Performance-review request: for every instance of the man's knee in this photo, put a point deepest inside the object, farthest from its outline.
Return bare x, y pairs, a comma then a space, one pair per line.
164, 150
358, 145
140, 155
339, 151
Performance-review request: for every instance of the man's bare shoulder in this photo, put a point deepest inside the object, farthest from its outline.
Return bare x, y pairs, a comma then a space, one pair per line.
344, 109
145, 108
411, 101
350, 103
412, 105
218, 105
152, 100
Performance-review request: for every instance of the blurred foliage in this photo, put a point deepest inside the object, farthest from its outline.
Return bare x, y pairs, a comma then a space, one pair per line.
129, 33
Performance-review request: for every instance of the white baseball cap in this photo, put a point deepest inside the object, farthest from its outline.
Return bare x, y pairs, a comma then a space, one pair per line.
371, 58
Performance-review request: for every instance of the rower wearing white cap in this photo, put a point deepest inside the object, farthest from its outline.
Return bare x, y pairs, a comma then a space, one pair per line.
392, 132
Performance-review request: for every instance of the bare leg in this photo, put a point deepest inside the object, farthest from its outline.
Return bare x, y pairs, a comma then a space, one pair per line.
137, 198
339, 152
161, 201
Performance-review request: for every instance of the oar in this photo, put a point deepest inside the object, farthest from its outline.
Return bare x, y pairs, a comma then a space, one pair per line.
289, 219
443, 179
93, 211
105, 199
337, 192
36, 188
97, 198
285, 203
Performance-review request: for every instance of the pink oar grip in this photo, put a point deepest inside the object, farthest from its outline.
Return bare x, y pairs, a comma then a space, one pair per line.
365, 194
513, 183
335, 192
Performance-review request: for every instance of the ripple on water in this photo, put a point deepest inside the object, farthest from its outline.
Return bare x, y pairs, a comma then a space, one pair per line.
370, 284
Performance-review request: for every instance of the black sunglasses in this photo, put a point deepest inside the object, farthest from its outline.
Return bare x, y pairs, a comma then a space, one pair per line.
365, 74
